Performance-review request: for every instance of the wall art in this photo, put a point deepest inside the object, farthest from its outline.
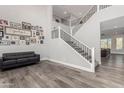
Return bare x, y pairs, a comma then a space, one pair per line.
13, 42
7, 37
41, 33
15, 37
16, 42
27, 42
15, 25
1, 28
3, 22
0, 38
41, 41
26, 26
12, 31
37, 33
1, 34
4, 42
22, 37
42, 37
27, 38
37, 28
33, 40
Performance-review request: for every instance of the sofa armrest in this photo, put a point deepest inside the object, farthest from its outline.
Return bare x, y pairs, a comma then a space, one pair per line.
1, 61
37, 55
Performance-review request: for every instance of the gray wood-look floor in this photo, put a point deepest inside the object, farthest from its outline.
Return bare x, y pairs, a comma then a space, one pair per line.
52, 75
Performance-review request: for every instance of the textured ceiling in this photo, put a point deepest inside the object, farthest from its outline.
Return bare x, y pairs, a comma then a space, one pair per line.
113, 26
64, 11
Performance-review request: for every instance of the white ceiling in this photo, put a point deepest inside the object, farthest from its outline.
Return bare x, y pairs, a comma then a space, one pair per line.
113, 26
64, 11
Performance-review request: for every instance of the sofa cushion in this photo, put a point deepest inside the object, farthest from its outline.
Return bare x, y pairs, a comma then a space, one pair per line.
22, 60
9, 62
33, 58
18, 56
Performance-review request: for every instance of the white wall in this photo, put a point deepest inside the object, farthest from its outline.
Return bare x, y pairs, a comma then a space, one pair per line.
111, 13
65, 27
63, 53
36, 15
89, 33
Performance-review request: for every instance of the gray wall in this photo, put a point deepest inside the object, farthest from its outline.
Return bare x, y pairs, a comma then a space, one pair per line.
36, 15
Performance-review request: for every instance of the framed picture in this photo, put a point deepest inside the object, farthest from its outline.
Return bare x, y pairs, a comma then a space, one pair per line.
0, 38
42, 37
4, 42
26, 26
13, 42
22, 37
27, 42
17, 32
33, 40
41, 41
7, 37
3, 22
15, 25
41, 33
16, 42
37, 33
15, 37
1, 28
27, 38
1, 34
33, 28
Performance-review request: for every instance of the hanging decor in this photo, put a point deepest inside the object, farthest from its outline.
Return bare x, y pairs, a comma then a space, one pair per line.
12, 33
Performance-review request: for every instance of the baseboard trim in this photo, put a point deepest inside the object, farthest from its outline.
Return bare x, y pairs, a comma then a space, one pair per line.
70, 65
67, 64
45, 58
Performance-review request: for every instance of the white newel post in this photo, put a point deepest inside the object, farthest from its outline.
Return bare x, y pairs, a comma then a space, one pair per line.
59, 32
93, 60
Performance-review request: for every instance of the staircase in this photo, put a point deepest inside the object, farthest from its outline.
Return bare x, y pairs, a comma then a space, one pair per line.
88, 15
82, 49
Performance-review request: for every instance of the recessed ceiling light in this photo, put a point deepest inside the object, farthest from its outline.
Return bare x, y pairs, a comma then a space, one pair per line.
65, 12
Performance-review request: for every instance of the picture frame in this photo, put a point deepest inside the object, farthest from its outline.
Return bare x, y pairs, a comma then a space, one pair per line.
13, 37
1, 28
42, 37
26, 26
15, 25
37, 33
7, 37
41, 42
17, 32
33, 40
22, 37
4, 22
27, 42
1, 34
15, 42
4, 42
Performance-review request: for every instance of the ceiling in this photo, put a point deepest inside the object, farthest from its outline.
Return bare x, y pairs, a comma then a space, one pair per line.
113, 26
64, 11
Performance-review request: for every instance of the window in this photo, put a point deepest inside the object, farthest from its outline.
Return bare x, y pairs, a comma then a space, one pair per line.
106, 43
119, 43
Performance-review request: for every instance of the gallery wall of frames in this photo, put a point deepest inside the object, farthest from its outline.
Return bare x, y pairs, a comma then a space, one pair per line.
12, 33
